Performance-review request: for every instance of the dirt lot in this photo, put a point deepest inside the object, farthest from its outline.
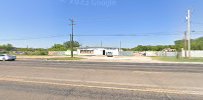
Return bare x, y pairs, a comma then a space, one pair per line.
119, 59
97, 58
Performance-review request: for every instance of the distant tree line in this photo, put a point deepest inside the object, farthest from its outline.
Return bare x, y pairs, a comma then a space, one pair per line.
153, 48
196, 44
31, 51
65, 46
6, 47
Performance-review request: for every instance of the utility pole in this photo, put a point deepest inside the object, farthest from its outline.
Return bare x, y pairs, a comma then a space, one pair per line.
70, 37
120, 46
72, 24
189, 32
185, 44
101, 44
71, 43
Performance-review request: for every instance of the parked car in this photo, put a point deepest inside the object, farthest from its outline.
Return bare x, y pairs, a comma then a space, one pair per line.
6, 57
109, 54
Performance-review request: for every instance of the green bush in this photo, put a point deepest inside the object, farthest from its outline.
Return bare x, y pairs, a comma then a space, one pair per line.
37, 53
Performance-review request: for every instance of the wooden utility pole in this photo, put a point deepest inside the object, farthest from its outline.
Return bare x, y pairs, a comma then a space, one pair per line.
72, 45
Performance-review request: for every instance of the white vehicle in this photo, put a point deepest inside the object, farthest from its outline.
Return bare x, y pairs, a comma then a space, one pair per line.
6, 57
109, 54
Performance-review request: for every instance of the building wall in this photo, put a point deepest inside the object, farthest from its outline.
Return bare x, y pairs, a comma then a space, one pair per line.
160, 53
99, 51
126, 53
81, 53
56, 53
114, 52
151, 53
68, 53
61, 53
194, 53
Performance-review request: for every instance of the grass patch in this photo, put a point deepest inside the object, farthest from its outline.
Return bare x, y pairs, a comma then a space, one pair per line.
174, 59
30, 55
65, 58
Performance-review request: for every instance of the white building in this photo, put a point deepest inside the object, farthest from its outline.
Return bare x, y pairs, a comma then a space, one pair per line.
97, 51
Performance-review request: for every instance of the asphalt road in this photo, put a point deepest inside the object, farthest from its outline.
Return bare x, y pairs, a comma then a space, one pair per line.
38, 89
159, 67
17, 91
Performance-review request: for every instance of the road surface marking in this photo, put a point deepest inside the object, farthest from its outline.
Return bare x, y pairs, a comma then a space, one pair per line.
104, 87
80, 81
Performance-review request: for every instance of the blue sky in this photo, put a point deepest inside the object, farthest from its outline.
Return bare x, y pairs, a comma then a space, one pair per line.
26, 19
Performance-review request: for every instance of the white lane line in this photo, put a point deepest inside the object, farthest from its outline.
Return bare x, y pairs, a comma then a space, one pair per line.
58, 63
91, 65
91, 82
104, 87
95, 82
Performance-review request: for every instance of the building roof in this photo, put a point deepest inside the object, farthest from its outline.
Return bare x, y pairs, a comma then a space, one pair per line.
97, 48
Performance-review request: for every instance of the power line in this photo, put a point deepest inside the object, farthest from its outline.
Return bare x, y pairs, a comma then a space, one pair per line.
125, 35
59, 36
140, 34
197, 32
35, 38
198, 23
92, 35
105, 35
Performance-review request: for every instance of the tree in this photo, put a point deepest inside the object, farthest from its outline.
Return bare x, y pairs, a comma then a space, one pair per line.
58, 47
153, 48
7, 47
196, 44
65, 46
179, 44
68, 44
